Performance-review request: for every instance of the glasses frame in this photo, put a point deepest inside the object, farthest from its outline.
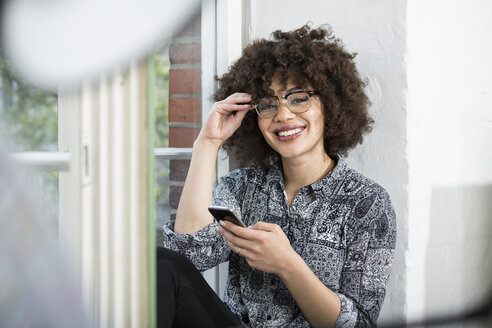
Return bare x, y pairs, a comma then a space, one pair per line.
310, 93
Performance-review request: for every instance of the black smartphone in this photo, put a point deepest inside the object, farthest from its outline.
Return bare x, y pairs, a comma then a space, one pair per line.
224, 213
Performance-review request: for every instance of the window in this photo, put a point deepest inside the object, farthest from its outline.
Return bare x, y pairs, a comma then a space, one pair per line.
178, 113
29, 123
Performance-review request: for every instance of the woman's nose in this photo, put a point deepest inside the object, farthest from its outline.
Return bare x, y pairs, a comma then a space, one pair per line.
283, 113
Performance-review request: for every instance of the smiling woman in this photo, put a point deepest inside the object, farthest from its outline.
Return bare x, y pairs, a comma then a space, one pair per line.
320, 239
324, 68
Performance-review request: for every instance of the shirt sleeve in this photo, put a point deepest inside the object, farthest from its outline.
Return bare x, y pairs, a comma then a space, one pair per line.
207, 248
370, 235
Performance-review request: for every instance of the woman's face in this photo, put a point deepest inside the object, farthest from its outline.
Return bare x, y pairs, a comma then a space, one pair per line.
294, 135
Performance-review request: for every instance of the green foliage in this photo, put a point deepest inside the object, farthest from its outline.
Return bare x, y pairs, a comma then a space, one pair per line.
161, 60
161, 101
29, 114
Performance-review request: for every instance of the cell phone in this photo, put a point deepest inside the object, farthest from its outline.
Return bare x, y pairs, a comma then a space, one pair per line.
224, 213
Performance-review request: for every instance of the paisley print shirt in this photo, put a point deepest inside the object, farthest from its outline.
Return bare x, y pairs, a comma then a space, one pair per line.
343, 226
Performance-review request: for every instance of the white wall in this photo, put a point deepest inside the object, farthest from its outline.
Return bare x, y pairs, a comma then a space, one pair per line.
449, 260
377, 32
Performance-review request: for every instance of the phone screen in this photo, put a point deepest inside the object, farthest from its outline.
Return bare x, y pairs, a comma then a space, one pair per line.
224, 213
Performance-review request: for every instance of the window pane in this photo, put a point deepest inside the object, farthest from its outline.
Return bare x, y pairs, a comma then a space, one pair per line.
29, 122
161, 94
178, 113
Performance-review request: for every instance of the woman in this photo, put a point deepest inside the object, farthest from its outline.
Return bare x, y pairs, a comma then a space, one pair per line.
319, 244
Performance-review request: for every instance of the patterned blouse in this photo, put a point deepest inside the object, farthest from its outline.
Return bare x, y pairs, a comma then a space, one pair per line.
343, 226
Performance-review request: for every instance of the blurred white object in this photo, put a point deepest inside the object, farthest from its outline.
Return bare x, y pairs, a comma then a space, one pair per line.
60, 42
37, 288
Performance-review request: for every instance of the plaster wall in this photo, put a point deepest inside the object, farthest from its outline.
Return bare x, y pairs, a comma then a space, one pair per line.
377, 32
449, 126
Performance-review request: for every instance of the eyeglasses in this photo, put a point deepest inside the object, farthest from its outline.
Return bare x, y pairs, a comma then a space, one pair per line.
298, 101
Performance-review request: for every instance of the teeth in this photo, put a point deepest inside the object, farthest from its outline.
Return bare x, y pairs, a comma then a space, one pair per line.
289, 132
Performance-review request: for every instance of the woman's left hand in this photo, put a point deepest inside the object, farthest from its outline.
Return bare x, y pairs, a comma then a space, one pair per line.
264, 245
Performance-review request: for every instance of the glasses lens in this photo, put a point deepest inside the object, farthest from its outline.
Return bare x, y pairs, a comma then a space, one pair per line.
298, 101
267, 107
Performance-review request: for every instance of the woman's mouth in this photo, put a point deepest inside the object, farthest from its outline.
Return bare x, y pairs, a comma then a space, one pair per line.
285, 134
288, 132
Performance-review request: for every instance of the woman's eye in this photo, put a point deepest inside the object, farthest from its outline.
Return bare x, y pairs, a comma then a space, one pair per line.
299, 100
267, 107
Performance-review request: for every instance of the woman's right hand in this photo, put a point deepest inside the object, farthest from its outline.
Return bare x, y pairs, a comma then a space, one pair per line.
225, 118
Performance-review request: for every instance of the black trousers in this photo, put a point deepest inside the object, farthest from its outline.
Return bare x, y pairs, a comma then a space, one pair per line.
184, 298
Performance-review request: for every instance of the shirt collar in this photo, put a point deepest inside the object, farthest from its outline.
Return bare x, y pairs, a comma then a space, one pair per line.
324, 186
327, 185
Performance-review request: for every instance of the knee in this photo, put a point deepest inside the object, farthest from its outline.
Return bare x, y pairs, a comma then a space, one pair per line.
172, 262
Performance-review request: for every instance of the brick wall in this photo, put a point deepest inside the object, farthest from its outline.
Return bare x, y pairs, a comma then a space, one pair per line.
185, 98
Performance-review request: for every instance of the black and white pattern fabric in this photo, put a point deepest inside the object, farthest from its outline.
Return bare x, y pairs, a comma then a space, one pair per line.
343, 226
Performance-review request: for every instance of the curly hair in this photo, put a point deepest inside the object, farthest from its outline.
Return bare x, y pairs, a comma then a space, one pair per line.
306, 57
